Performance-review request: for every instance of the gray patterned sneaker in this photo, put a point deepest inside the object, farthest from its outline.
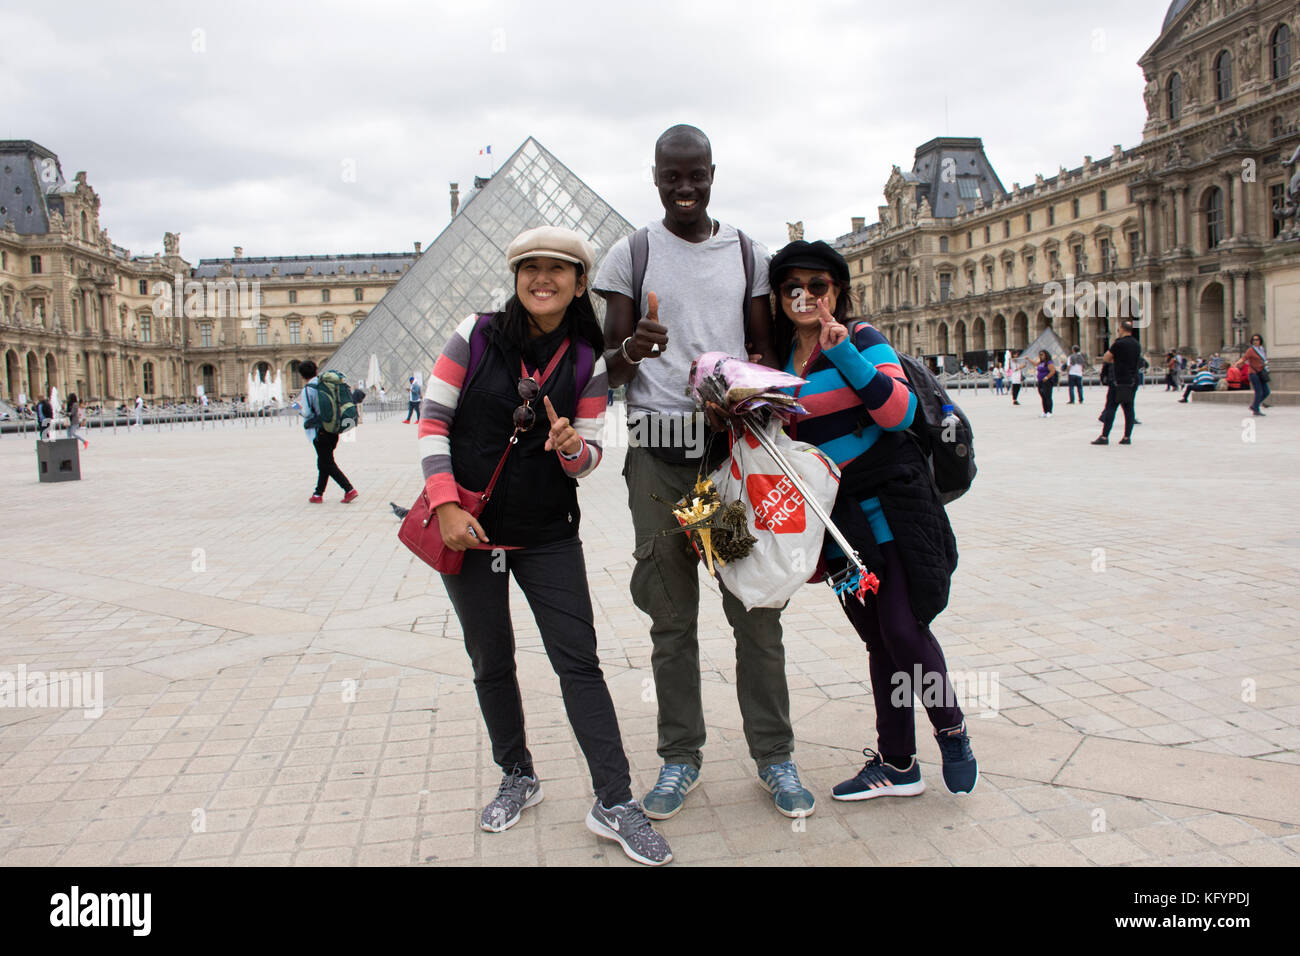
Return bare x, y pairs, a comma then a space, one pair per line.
789, 795
675, 781
515, 794
628, 824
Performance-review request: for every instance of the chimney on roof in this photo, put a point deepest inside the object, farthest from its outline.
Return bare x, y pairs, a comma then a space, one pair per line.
859, 223
417, 245
455, 199
239, 252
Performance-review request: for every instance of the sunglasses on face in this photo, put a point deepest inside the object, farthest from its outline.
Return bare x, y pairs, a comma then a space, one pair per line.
815, 288
525, 417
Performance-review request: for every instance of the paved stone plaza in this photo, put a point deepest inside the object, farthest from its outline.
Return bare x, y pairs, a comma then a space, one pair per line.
285, 684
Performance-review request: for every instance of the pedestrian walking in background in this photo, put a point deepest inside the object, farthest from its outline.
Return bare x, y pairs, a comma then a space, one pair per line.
999, 379
1124, 358
1171, 371
324, 442
413, 402
1074, 365
1255, 360
44, 416
139, 411
520, 410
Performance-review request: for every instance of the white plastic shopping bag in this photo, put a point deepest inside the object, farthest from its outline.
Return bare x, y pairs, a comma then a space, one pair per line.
788, 533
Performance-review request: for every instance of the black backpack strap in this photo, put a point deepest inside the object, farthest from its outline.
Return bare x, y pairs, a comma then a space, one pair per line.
639, 245
747, 255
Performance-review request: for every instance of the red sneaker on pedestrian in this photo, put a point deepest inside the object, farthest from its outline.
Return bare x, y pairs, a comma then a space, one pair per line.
349, 496
316, 499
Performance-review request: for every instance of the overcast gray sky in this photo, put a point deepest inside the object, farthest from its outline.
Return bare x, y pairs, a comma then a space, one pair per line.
326, 127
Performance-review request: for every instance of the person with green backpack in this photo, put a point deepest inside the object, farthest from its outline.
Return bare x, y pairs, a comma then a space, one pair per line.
328, 410
900, 459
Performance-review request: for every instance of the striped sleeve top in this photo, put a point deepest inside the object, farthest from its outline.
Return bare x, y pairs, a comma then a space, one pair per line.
861, 373
438, 412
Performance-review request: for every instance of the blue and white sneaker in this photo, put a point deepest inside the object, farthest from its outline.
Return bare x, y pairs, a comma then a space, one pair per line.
675, 781
789, 795
960, 772
879, 779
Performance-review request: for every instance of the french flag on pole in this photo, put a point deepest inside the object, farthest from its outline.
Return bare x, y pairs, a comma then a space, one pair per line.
486, 151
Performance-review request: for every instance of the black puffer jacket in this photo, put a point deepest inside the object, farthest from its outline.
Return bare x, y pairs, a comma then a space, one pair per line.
894, 471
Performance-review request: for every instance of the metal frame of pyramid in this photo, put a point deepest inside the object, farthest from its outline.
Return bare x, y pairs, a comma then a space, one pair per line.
1047, 339
464, 269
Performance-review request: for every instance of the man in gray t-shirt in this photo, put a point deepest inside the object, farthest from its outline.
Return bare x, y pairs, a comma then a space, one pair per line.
692, 301
699, 287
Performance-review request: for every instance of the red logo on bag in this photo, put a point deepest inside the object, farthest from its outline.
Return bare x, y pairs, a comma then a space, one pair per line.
778, 505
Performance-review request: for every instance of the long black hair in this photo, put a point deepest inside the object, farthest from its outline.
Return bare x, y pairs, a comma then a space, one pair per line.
783, 329
512, 322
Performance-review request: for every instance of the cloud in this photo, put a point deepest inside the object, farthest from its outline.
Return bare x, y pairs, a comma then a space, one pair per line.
234, 124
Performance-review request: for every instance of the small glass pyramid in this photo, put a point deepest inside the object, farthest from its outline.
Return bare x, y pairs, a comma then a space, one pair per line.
464, 269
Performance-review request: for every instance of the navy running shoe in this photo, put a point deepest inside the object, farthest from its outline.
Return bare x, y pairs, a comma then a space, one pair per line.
960, 772
879, 779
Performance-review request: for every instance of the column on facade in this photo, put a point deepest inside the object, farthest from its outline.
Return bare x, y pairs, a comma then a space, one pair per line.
1238, 298
1239, 217
1143, 225
1184, 232
1229, 306
1180, 314
1169, 220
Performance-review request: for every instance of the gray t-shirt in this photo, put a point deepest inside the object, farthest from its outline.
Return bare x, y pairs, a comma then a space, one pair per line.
700, 287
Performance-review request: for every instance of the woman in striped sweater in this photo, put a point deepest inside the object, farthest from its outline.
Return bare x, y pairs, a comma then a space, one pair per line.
859, 403
496, 384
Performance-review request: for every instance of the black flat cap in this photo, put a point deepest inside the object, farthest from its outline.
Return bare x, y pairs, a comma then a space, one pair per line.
807, 255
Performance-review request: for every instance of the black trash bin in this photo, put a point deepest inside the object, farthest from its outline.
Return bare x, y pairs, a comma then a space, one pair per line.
58, 460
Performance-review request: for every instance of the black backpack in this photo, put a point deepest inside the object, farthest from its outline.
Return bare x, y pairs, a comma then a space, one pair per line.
951, 456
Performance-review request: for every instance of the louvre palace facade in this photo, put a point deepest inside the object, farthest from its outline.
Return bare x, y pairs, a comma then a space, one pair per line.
87, 316
959, 265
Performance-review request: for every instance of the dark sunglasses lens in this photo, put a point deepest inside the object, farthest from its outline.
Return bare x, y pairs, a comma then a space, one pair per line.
819, 287
528, 389
524, 418
791, 289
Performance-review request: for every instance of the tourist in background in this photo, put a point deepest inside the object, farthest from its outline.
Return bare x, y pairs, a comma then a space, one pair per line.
324, 442
1202, 381
1047, 378
1124, 360
1015, 375
1074, 365
1255, 361
413, 401
75, 416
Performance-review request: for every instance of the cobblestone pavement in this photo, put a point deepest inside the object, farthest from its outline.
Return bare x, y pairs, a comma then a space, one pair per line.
284, 684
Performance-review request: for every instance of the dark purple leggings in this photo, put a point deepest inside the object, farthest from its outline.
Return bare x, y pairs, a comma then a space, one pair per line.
899, 644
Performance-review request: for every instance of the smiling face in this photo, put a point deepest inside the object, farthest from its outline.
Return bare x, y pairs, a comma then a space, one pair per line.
546, 286
684, 177
802, 309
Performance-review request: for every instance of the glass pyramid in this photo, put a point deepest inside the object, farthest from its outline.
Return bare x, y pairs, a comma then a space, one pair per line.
464, 270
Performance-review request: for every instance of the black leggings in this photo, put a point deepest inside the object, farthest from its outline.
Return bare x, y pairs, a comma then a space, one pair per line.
904, 659
553, 578
1045, 393
1015, 392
